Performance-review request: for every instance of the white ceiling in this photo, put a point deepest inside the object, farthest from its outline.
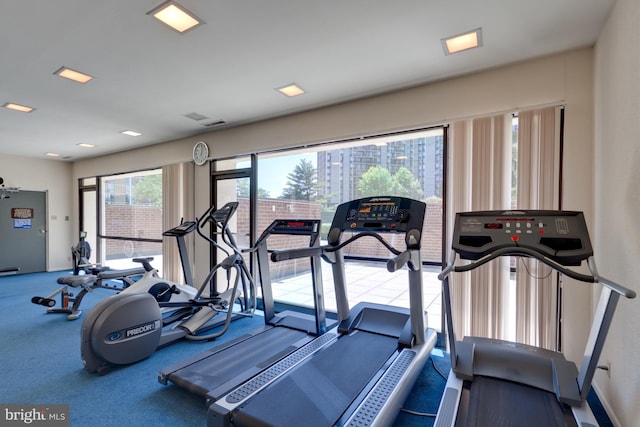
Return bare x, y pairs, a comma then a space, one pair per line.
147, 77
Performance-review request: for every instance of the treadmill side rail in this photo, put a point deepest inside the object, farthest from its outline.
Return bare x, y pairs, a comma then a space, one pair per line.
384, 401
448, 409
583, 416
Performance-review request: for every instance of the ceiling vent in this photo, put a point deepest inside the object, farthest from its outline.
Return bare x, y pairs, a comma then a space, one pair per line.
216, 123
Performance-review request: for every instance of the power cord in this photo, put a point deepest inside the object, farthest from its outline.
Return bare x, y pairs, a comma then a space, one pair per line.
444, 377
425, 414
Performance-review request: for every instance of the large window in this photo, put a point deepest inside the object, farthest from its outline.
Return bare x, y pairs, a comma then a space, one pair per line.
311, 182
131, 218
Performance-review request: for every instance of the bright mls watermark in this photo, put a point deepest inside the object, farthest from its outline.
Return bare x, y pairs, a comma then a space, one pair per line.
34, 415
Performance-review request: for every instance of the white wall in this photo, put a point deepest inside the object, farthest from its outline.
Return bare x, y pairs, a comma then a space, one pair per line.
54, 177
617, 195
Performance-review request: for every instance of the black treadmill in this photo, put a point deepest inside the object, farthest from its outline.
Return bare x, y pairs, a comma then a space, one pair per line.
224, 367
501, 383
361, 372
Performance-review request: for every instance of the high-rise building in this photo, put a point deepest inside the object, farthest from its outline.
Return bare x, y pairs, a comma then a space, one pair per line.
340, 170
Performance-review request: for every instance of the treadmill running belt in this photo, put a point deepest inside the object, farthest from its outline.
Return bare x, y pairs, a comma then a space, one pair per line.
247, 357
319, 391
498, 403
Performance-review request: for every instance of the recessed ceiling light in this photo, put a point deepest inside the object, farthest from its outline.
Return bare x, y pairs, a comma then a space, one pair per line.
74, 75
291, 90
131, 133
463, 41
52, 154
18, 107
175, 16
85, 145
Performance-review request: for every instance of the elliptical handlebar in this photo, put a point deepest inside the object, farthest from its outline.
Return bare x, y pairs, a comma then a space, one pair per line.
201, 223
220, 218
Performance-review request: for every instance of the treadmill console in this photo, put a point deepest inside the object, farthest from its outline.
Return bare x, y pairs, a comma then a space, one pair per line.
558, 235
379, 215
304, 227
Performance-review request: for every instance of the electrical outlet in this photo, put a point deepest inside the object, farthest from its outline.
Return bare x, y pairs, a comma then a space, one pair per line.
606, 367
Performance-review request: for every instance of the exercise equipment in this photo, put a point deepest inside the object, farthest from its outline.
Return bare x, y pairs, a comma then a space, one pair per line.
168, 292
165, 290
88, 276
130, 326
499, 383
81, 256
360, 372
284, 332
94, 276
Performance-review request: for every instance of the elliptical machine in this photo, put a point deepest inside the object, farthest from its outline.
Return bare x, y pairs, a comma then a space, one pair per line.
130, 326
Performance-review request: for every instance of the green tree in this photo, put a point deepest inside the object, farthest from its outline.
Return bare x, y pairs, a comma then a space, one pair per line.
148, 190
263, 194
376, 181
242, 189
406, 185
302, 183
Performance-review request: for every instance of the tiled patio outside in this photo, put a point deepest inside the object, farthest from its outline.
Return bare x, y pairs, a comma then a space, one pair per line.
366, 281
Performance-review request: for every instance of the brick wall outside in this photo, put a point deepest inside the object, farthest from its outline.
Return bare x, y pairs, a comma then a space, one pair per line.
146, 222
271, 209
133, 221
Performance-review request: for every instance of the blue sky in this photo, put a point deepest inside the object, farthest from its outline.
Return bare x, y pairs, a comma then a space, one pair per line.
273, 171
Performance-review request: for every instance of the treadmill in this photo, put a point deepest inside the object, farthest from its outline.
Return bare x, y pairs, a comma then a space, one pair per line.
222, 368
361, 372
501, 383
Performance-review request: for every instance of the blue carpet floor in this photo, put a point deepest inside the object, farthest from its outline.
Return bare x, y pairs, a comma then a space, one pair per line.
40, 360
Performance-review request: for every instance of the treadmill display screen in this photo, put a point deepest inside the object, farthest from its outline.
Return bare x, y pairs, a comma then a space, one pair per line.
380, 214
559, 235
378, 211
286, 226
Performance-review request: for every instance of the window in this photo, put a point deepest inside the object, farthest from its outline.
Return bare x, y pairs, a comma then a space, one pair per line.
131, 218
312, 182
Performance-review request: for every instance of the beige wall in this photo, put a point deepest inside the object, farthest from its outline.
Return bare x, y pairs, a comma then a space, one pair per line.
617, 195
564, 78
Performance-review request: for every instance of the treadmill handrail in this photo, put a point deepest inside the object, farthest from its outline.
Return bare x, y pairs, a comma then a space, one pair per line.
628, 293
285, 254
529, 252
